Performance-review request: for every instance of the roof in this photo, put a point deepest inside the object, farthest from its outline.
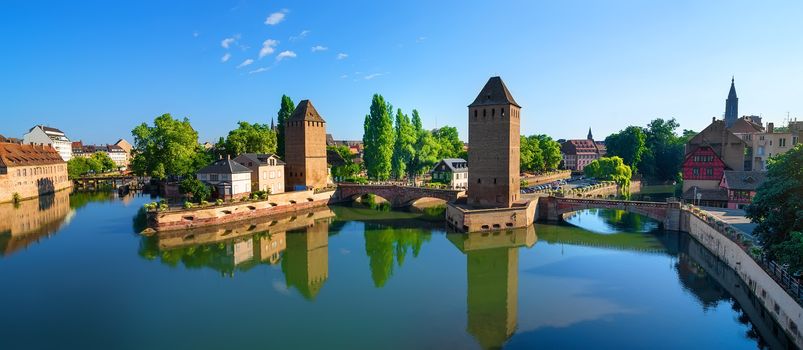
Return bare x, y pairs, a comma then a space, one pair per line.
261, 158
743, 180
714, 135
706, 195
224, 166
745, 126
455, 165
494, 93
334, 158
732, 92
579, 147
14, 154
47, 129
306, 111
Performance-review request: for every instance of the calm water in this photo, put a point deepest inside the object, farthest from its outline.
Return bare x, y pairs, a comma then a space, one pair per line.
75, 275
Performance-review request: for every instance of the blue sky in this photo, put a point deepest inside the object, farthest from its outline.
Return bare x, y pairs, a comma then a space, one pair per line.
96, 69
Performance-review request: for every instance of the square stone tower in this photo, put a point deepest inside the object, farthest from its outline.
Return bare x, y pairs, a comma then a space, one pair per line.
493, 155
305, 149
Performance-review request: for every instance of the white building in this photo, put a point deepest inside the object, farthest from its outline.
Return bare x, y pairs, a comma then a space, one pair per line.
452, 171
118, 155
41, 134
230, 179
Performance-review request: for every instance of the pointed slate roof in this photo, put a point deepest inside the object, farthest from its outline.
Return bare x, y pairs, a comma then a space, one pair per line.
494, 93
732, 92
305, 111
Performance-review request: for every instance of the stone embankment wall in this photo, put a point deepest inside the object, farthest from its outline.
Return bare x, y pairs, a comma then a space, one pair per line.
178, 219
474, 220
547, 178
782, 307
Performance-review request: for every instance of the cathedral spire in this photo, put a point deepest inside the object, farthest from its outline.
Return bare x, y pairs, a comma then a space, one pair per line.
590, 137
731, 105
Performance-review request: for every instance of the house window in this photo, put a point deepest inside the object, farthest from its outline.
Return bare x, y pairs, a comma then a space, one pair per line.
695, 171
709, 171
781, 142
213, 177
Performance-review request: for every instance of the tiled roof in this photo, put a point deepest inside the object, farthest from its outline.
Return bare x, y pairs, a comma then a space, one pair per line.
261, 158
224, 166
305, 111
494, 93
744, 126
455, 165
706, 195
14, 154
744, 180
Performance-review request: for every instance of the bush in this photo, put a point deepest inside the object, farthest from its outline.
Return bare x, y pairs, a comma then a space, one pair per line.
219, 202
198, 190
204, 203
188, 205
16, 197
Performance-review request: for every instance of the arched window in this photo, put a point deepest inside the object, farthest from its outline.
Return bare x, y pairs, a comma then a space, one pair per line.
483, 112
502, 112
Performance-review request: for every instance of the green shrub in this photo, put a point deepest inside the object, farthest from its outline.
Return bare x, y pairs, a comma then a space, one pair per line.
188, 205
16, 197
219, 202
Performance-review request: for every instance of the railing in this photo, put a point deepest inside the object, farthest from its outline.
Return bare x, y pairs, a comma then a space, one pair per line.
783, 277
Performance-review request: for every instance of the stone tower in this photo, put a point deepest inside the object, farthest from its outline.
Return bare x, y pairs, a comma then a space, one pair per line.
590, 135
493, 138
305, 149
731, 106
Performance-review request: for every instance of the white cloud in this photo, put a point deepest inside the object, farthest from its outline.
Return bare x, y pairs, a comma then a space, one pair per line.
268, 47
276, 17
285, 54
195, 34
341, 56
226, 43
420, 39
317, 48
225, 57
374, 75
344, 76
301, 35
247, 62
258, 70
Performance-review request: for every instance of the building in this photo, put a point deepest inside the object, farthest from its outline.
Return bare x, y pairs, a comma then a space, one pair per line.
577, 154
764, 145
45, 135
117, 153
731, 105
305, 149
494, 135
451, 171
741, 186
267, 171
30, 171
707, 156
229, 179
127, 147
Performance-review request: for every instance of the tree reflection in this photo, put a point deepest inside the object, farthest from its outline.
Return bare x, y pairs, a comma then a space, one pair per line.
384, 243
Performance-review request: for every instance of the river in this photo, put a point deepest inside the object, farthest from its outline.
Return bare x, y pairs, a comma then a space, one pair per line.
76, 275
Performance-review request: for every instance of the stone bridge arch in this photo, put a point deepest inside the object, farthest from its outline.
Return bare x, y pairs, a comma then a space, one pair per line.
553, 208
398, 196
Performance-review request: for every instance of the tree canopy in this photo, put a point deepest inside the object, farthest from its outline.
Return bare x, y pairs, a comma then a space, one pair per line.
539, 153
251, 138
611, 169
403, 148
169, 147
656, 150
628, 144
777, 206
378, 139
349, 169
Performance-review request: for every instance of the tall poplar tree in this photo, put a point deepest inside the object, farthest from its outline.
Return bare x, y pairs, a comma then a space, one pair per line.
403, 148
285, 111
378, 139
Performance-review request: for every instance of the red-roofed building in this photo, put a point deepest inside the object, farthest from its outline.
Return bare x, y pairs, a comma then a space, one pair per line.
579, 153
30, 171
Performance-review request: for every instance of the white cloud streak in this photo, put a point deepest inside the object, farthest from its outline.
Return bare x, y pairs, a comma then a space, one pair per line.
245, 63
226, 43
341, 56
268, 47
317, 48
374, 75
285, 54
259, 70
225, 57
301, 35
276, 17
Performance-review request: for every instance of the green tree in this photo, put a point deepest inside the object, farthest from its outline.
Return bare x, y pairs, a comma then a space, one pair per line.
417, 125
531, 156
665, 150
611, 169
101, 162
285, 111
194, 188
550, 151
167, 148
629, 144
378, 139
449, 142
347, 170
777, 207
251, 138
426, 154
76, 167
790, 251
403, 148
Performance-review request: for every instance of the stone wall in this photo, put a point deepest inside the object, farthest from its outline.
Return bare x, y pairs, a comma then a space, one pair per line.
32, 181
547, 178
475, 220
782, 307
179, 219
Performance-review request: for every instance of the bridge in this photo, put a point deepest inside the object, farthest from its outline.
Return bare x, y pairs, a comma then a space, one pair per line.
397, 195
115, 181
668, 213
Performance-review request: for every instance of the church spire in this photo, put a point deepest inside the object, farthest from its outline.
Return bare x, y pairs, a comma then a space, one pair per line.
590, 137
731, 105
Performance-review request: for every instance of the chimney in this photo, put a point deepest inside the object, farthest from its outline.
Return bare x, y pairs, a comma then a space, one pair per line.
770, 127
713, 119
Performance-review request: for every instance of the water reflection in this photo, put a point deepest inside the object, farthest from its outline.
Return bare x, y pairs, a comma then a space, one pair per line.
492, 264
30, 221
610, 221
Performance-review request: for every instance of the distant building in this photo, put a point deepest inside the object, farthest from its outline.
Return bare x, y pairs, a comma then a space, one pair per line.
305, 149
708, 155
765, 144
731, 105
115, 152
46, 135
494, 134
453, 172
229, 179
576, 154
741, 186
30, 171
267, 171
128, 148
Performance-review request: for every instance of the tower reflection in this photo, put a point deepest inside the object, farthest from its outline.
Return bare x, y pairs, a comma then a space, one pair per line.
492, 261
